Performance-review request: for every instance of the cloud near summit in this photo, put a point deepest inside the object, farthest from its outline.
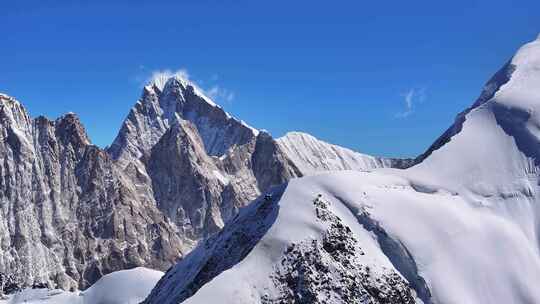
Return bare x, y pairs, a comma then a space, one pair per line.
216, 92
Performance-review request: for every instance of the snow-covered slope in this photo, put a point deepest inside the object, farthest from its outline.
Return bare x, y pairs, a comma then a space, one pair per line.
312, 155
122, 287
300, 245
466, 254
462, 226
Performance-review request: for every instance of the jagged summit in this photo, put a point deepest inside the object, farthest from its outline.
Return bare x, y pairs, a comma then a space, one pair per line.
160, 79
6, 97
13, 110
163, 82
69, 128
17, 115
164, 103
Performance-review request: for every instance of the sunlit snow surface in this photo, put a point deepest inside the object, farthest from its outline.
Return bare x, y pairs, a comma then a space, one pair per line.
313, 156
469, 214
122, 287
469, 248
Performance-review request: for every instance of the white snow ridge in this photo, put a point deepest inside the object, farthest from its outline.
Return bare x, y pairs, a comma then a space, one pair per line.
462, 226
312, 156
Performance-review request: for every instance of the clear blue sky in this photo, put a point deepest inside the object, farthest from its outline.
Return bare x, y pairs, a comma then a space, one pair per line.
341, 70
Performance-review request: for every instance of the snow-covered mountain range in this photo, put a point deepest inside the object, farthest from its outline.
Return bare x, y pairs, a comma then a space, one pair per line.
179, 170
461, 226
245, 218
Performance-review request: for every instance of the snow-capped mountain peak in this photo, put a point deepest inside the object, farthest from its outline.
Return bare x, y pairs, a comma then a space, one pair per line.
513, 88
161, 78
162, 104
505, 119
178, 82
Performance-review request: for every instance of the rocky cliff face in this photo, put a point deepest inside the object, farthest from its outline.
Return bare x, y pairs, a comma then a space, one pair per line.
68, 215
199, 192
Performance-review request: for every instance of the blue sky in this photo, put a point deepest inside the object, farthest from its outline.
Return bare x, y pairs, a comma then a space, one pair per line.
381, 77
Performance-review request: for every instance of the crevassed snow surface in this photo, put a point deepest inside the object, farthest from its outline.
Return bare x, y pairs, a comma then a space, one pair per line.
122, 287
469, 214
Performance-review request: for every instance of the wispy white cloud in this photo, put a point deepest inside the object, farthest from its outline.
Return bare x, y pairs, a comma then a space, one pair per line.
160, 77
220, 94
411, 99
216, 92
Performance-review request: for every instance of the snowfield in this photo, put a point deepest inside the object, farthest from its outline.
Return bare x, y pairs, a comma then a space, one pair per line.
122, 287
460, 227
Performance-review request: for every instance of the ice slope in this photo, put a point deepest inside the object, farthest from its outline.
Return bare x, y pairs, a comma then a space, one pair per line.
467, 216
122, 287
